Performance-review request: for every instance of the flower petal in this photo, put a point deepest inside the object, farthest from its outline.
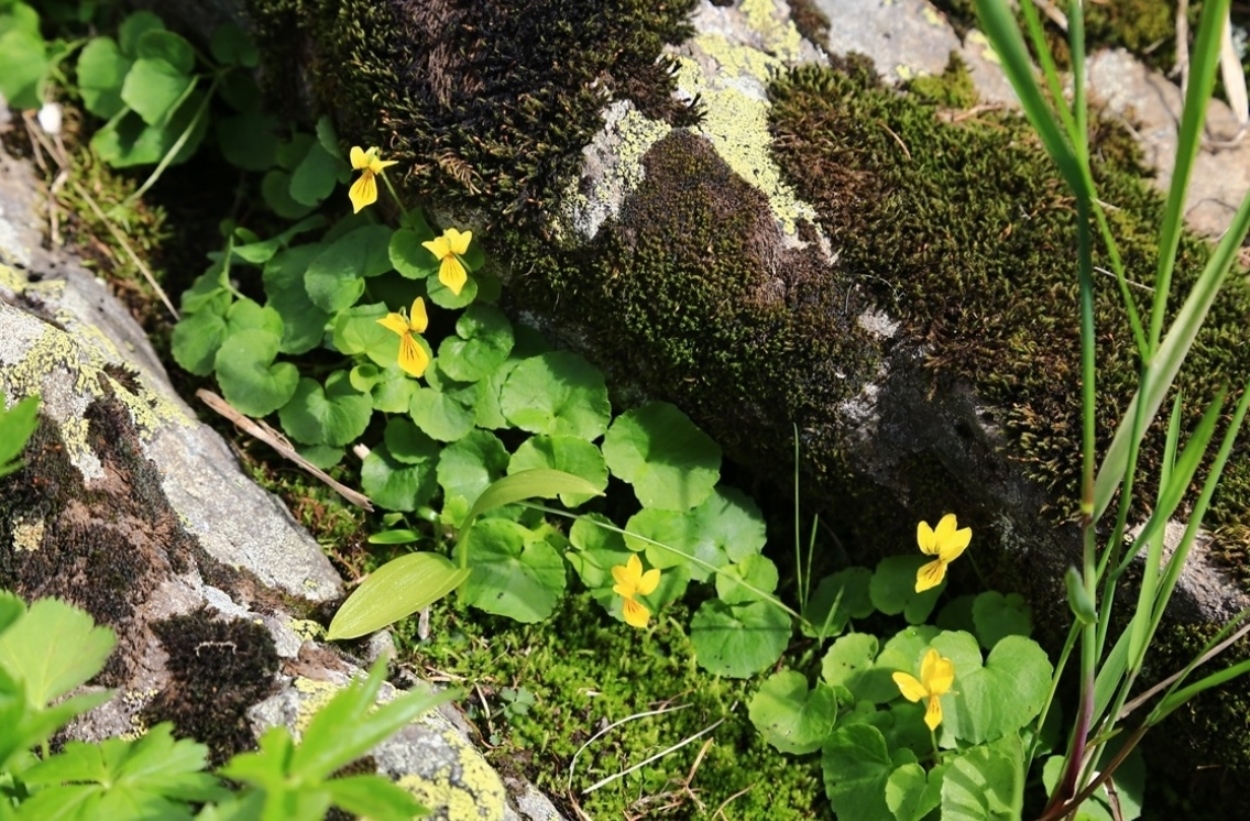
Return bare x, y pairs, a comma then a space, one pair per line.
649, 582
933, 713
953, 545
939, 675
438, 247
418, 319
451, 273
395, 322
413, 359
930, 575
363, 192
359, 157
946, 527
636, 614
910, 687
458, 241
925, 539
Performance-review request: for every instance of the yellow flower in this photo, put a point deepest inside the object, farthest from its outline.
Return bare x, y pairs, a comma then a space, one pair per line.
364, 191
937, 674
412, 357
946, 543
630, 582
447, 249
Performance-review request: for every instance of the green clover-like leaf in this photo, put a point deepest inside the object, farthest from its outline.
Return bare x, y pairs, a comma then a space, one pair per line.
482, 342
513, 573
670, 463
791, 717
557, 393
335, 415
737, 641
249, 378
567, 453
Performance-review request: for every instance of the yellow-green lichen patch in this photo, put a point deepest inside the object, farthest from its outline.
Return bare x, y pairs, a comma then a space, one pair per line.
69, 366
466, 789
612, 169
314, 695
17, 283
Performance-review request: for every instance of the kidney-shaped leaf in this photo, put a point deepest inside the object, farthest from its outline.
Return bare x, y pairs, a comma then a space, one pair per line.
789, 716
671, 464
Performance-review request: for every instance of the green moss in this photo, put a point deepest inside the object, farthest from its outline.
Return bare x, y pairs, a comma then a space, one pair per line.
697, 297
486, 105
592, 672
1145, 27
953, 88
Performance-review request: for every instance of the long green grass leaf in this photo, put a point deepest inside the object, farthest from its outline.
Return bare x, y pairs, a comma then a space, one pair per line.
1204, 59
394, 591
1171, 355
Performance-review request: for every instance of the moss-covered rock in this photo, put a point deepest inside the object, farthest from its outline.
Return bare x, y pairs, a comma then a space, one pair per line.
889, 275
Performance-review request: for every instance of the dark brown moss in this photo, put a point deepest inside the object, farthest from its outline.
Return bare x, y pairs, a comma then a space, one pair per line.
218, 669
811, 22
105, 547
487, 105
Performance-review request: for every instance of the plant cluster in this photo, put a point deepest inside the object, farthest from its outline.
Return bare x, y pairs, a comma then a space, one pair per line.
382, 353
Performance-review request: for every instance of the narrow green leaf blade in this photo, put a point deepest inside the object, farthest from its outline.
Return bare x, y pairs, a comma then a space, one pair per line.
397, 589
529, 484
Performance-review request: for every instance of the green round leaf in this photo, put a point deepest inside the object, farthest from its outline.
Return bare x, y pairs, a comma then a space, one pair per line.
669, 538
789, 716
316, 177
857, 765
755, 570
197, 337
23, 64
512, 573
671, 464
997, 616
739, 640
486, 411
168, 47
127, 141
409, 256
848, 589
303, 323
395, 485
997, 699
231, 46
731, 521
275, 190
408, 445
850, 663
566, 453
557, 393
135, 26
893, 589
483, 341
393, 391
101, 70
335, 278
335, 415
466, 468
153, 86
444, 297
323, 456
445, 415
249, 378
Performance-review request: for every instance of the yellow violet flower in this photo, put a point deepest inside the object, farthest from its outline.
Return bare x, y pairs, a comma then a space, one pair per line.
447, 249
946, 543
412, 357
364, 191
630, 582
937, 674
